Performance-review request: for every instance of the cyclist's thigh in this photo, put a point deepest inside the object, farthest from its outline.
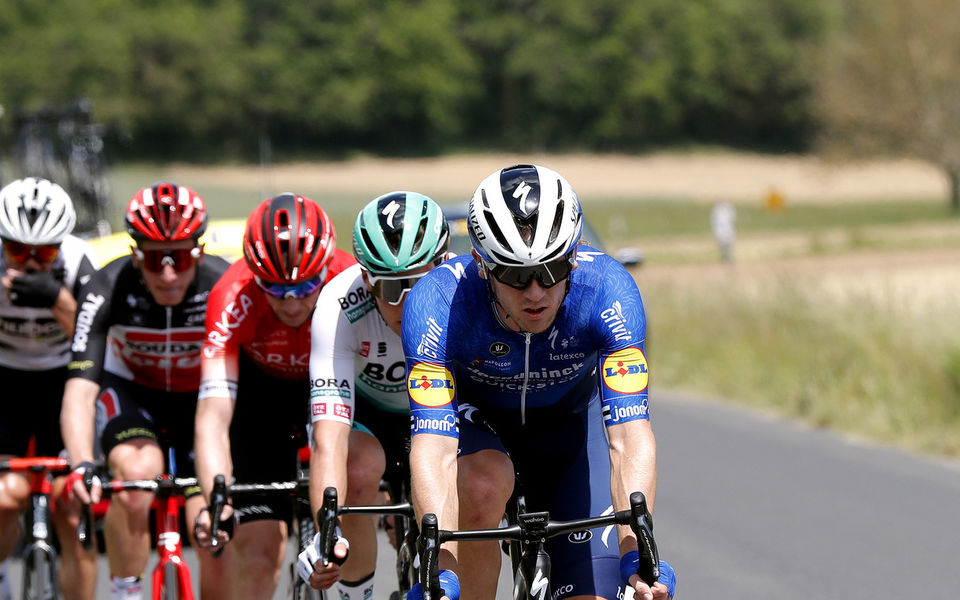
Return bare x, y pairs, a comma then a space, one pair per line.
121, 416
31, 407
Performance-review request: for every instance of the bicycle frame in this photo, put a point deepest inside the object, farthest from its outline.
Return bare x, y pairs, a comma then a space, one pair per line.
40, 558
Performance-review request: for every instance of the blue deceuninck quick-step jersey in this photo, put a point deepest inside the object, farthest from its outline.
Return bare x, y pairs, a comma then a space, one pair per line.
458, 352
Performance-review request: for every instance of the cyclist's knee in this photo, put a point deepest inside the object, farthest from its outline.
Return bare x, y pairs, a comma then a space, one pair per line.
139, 458
487, 474
365, 467
260, 550
14, 491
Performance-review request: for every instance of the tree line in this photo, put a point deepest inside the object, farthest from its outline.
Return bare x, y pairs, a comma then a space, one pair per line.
209, 79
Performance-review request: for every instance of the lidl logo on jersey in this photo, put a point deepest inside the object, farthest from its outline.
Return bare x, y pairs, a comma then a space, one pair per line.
625, 371
430, 385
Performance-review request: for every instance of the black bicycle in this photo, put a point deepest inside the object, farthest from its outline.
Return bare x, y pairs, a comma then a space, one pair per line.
39, 556
533, 568
404, 523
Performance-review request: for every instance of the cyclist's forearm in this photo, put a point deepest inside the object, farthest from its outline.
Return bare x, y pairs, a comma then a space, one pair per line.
77, 419
328, 461
212, 442
433, 476
633, 467
65, 311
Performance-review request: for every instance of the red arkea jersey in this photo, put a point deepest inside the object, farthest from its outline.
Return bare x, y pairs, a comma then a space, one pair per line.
239, 316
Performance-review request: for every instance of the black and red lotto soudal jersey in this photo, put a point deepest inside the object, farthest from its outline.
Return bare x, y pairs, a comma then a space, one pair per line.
123, 331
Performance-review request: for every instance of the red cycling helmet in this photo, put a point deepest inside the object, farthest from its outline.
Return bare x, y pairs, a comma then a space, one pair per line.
166, 212
289, 239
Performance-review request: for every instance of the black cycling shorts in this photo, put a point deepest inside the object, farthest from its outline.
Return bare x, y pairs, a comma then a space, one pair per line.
31, 407
268, 429
127, 411
392, 430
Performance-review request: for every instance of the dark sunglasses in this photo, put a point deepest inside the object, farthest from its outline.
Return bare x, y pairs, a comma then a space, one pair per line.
548, 274
292, 290
23, 252
181, 259
392, 289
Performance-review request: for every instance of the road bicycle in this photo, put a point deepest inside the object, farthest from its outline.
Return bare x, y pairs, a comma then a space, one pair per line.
532, 570
171, 575
304, 528
404, 523
39, 555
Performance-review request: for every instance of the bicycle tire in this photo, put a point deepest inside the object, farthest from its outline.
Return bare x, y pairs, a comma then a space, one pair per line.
40, 574
171, 582
306, 530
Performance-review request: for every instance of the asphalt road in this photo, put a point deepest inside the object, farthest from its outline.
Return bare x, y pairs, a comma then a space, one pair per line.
753, 507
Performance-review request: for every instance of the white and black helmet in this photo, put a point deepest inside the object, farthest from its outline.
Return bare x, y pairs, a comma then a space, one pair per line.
524, 215
35, 211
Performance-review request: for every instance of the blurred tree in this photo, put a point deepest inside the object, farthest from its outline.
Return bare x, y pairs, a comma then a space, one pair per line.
890, 83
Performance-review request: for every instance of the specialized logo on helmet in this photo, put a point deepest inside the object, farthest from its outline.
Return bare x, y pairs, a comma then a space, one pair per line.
520, 187
625, 371
430, 385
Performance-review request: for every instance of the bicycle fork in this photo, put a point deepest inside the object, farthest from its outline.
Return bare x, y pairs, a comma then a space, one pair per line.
40, 559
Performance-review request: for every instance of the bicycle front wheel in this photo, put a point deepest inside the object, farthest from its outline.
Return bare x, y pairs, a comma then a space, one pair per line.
39, 574
171, 583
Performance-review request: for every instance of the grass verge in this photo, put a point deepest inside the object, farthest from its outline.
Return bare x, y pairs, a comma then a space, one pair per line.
851, 364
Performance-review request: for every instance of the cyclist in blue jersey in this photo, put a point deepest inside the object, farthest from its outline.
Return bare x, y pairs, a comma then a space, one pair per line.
527, 360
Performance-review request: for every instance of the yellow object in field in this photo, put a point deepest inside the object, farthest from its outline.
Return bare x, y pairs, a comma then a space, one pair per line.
223, 238
774, 201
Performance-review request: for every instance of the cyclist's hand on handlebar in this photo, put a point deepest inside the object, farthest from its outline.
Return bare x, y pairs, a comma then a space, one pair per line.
83, 484
662, 589
448, 582
311, 568
229, 519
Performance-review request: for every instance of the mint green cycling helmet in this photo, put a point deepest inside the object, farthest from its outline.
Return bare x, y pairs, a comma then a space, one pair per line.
398, 232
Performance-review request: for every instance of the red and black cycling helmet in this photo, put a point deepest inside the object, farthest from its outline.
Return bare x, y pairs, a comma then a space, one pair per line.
289, 239
166, 212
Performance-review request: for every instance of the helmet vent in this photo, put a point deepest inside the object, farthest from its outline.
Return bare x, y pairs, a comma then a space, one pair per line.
496, 231
557, 222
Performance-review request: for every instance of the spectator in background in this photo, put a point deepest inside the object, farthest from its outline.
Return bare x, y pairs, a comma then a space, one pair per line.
723, 219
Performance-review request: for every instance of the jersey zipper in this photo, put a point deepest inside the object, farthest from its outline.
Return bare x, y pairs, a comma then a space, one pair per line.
526, 378
168, 351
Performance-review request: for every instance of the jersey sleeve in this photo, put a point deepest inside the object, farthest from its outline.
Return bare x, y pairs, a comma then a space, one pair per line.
618, 318
333, 349
229, 312
431, 387
89, 344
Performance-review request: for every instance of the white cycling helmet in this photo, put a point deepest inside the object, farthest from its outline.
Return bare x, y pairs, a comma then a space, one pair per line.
35, 211
524, 215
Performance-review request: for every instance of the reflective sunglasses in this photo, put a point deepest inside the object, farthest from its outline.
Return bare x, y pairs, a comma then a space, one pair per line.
548, 274
19, 252
292, 290
392, 289
181, 259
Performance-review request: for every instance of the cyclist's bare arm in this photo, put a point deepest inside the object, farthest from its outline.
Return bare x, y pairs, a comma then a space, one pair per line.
212, 424
328, 460
433, 474
77, 419
633, 466
65, 311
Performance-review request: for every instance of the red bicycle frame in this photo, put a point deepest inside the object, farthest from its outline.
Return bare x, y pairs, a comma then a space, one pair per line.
171, 569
